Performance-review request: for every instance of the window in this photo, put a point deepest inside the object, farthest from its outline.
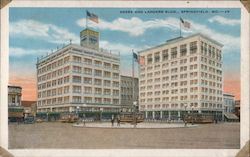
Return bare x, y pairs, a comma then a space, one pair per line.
116, 75
165, 55
193, 47
107, 65
77, 69
183, 61
98, 100
66, 70
87, 61
107, 74
77, 99
115, 84
107, 92
66, 59
77, 89
98, 91
77, 79
149, 59
60, 62
98, 63
87, 80
98, 73
60, 91
87, 71
66, 89
77, 59
116, 92
87, 90
157, 57
60, 72
115, 67
66, 79
173, 52
107, 83
98, 82
183, 50
60, 81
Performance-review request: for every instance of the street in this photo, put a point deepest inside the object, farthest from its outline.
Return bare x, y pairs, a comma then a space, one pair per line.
64, 135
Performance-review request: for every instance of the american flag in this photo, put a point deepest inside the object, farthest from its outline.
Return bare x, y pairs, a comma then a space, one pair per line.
141, 60
185, 23
92, 17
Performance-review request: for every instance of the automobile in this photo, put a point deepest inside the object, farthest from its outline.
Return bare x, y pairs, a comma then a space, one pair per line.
38, 120
29, 120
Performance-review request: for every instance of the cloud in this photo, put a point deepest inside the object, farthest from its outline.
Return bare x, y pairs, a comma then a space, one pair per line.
224, 21
134, 26
38, 30
137, 27
123, 49
20, 52
231, 43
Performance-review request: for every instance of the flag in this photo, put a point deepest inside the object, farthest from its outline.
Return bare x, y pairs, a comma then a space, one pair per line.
186, 24
135, 56
92, 17
141, 60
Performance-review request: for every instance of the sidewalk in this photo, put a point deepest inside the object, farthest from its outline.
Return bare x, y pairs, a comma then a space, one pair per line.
139, 125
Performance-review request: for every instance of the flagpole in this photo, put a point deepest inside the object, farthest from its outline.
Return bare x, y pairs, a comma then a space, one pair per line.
133, 73
86, 20
180, 26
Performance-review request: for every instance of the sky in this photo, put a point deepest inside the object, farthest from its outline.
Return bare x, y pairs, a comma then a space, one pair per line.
36, 32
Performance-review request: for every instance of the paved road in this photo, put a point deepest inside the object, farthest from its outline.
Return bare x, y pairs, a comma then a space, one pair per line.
63, 135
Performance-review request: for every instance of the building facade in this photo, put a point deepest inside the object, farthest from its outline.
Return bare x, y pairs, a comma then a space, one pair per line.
237, 108
79, 77
229, 102
129, 92
182, 75
15, 109
29, 108
14, 96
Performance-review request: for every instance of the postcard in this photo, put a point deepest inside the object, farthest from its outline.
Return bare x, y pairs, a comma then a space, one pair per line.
142, 79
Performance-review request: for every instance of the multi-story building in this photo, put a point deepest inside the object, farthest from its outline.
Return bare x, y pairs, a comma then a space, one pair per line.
79, 77
237, 108
29, 108
182, 75
14, 96
15, 109
129, 92
228, 102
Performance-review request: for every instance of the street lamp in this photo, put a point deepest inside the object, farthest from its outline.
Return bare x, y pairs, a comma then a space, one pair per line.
84, 116
185, 115
134, 117
101, 109
192, 114
77, 113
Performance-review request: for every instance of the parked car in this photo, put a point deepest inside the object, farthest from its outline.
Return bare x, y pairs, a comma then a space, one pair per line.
29, 120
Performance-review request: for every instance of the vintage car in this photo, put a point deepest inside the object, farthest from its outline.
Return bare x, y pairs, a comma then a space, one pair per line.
130, 117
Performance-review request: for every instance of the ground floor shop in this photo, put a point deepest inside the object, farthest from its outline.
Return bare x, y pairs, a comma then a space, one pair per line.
179, 114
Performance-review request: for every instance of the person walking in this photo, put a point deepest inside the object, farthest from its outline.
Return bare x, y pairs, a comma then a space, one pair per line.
112, 120
118, 120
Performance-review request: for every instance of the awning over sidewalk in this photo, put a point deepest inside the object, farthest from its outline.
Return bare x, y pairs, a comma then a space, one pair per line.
231, 116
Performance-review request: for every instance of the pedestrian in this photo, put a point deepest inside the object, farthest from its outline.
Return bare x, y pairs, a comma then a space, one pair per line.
84, 117
112, 120
118, 120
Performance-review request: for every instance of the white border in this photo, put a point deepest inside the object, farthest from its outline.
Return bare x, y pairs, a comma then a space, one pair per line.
4, 47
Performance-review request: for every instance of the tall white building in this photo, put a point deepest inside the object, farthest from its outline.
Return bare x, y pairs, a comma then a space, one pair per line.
129, 92
229, 102
183, 74
79, 77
